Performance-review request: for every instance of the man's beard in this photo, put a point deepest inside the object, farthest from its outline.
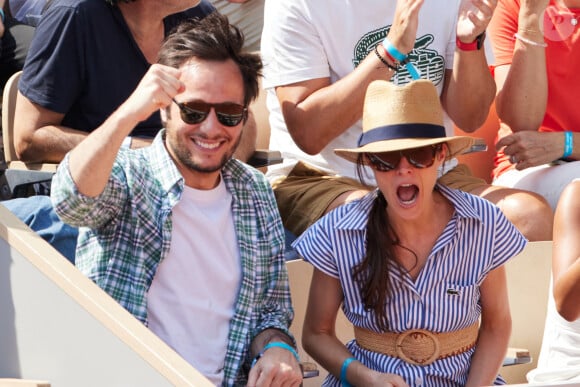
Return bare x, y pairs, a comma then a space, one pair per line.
184, 157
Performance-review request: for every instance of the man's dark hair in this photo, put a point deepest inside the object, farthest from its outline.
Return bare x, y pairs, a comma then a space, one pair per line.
213, 39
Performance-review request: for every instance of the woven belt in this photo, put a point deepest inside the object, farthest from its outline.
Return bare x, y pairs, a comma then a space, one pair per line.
418, 346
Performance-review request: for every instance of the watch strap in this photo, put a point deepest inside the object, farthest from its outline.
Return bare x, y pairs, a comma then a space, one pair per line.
477, 44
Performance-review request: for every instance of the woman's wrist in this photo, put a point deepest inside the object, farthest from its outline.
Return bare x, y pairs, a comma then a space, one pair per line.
343, 371
531, 24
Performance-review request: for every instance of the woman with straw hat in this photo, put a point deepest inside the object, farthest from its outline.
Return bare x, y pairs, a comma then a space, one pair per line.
414, 264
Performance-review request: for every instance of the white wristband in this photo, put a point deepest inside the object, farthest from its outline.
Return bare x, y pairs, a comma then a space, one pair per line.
127, 142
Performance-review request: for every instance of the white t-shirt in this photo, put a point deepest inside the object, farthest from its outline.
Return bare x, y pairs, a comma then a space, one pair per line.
192, 298
248, 16
306, 39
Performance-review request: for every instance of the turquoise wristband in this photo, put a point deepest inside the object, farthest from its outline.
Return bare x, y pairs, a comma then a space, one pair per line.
568, 144
402, 58
411, 69
2, 16
278, 344
392, 50
345, 364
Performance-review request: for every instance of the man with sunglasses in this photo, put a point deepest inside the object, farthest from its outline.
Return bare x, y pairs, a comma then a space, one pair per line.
85, 59
319, 58
185, 237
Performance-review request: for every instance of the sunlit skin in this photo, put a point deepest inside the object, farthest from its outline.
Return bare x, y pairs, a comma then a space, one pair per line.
426, 213
405, 174
201, 150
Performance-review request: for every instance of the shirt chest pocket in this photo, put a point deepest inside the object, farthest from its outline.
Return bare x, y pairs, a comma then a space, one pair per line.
458, 299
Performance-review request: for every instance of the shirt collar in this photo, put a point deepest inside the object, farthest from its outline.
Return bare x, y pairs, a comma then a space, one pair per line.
161, 161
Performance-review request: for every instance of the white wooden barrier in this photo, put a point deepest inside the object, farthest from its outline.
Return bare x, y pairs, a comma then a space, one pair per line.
58, 326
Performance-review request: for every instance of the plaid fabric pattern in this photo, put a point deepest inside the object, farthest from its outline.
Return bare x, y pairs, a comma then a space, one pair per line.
125, 232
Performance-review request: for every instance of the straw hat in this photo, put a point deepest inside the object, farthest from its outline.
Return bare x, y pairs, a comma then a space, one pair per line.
403, 117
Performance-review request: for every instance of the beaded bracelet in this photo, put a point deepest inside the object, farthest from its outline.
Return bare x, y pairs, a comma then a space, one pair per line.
568, 144
394, 68
278, 344
343, 369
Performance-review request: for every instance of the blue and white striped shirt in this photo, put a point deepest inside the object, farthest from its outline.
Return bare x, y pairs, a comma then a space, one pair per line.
444, 297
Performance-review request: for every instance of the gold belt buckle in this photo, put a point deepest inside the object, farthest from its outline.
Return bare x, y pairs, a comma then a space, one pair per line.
417, 346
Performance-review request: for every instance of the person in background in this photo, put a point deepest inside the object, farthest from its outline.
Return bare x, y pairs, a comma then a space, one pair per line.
27, 11
559, 359
248, 15
415, 265
17, 21
319, 58
537, 47
86, 59
185, 237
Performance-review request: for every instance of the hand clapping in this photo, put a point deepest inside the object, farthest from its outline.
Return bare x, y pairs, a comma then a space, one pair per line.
473, 18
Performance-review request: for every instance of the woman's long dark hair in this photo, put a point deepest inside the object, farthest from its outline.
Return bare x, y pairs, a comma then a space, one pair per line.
372, 273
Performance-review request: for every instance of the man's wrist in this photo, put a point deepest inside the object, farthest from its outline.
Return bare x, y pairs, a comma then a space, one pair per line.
267, 336
276, 344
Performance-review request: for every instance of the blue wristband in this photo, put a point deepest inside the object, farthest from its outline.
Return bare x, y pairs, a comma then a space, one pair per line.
402, 58
411, 69
345, 364
392, 50
568, 144
2, 16
278, 344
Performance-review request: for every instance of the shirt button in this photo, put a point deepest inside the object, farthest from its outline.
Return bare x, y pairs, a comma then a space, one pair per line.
417, 297
418, 381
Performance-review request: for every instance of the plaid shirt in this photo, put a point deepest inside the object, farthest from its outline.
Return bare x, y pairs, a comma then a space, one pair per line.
126, 232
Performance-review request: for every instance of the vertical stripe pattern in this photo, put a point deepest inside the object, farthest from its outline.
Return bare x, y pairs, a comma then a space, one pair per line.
444, 297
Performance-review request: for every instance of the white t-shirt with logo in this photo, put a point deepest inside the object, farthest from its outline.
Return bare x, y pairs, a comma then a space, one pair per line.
306, 39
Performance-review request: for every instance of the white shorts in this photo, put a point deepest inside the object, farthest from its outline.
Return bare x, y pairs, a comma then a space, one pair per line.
548, 180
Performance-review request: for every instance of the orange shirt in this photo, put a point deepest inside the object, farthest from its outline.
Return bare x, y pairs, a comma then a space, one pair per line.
562, 62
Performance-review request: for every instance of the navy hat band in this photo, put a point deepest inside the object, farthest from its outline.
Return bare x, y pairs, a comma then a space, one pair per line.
410, 131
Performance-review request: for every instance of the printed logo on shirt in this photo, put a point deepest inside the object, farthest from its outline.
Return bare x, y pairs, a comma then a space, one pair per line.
559, 23
453, 292
430, 63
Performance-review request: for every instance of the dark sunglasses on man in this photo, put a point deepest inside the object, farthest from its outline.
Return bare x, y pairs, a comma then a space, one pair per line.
422, 157
228, 113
